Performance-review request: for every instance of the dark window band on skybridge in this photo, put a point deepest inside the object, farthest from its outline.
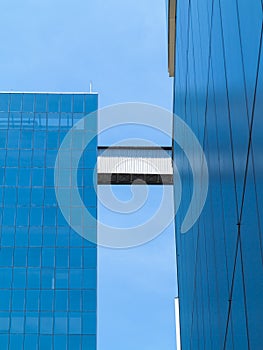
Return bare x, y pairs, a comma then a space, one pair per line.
134, 179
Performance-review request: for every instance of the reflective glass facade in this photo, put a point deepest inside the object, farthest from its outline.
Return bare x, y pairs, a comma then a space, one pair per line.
218, 91
47, 271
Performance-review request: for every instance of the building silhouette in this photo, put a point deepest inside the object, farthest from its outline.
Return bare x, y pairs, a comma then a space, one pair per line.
47, 271
216, 58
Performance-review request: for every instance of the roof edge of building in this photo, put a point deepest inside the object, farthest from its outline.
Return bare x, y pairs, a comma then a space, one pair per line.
51, 92
171, 36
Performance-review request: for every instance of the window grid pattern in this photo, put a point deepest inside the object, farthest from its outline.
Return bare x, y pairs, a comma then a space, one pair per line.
47, 271
218, 92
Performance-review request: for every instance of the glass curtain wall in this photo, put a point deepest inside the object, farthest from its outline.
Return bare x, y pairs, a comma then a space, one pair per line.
218, 92
47, 271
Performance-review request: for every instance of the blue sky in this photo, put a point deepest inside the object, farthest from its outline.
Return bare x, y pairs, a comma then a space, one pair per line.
137, 285
55, 45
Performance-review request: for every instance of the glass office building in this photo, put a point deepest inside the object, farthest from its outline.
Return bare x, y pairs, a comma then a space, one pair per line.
216, 57
47, 271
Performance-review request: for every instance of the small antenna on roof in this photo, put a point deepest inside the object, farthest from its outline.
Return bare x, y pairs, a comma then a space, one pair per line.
90, 87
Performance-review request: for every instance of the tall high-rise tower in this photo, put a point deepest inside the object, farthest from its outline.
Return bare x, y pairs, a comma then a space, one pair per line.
216, 58
47, 270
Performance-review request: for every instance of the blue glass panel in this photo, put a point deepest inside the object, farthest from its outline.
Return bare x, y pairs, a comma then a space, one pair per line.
53, 120
50, 197
28, 120
12, 158
75, 279
7, 237
14, 119
75, 258
61, 300
47, 278
89, 300
52, 140
74, 342
4, 102
5, 300
90, 257
16, 342
28, 102
39, 139
4, 321
25, 158
62, 236
26, 140
36, 216
54, 102
33, 278
35, 236
17, 322
4, 341
32, 300
13, 138
10, 196
46, 300
20, 257
31, 323
48, 257
40, 103
18, 300
91, 103
49, 236
38, 156
66, 103
45, 342
61, 325
6, 277
92, 122
75, 300
75, 239
6, 257
46, 323
89, 278
3, 138
31, 341
89, 323
19, 278
4, 120
34, 255
78, 103
22, 217
89, 196
61, 278
21, 236
11, 177
89, 342
74, 323
23, 196
77, 117
40, 119
15, 102
66, 120
37, 196
37, 177
62, 257
49, 177
2, 156
60, 342
23, 179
